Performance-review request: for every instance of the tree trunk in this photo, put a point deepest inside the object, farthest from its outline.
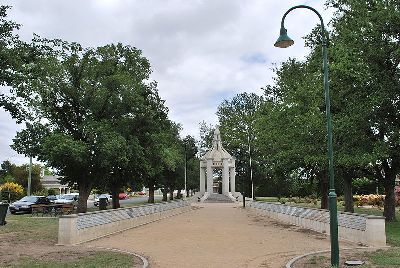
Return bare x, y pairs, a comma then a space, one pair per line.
165, 195
324, 189
84, 192
187, 192
348, 192
389, 181
151, 193
390, 201
179, 194
389, 210
115, 196
171, 194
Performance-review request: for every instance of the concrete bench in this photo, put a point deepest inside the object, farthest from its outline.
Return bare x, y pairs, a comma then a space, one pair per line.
360, 228
83, 227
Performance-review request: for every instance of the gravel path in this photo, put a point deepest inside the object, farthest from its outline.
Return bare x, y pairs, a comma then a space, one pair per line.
217, 235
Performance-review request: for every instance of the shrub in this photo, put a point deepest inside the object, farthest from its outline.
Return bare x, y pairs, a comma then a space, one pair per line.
371, 200
43, 192
51, 191
13, 190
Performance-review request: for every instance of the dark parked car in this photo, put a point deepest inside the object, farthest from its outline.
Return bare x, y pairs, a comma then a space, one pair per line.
25, 203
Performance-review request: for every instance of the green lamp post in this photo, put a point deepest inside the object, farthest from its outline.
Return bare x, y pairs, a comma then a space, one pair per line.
285, 41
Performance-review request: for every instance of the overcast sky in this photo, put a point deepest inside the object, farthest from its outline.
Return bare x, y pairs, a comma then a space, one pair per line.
201, 52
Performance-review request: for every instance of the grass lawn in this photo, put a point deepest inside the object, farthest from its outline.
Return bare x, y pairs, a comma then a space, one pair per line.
25, 227
386, 258
389, 258
27, 241
99, 259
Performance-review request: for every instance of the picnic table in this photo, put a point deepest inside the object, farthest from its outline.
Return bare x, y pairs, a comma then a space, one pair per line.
52, 209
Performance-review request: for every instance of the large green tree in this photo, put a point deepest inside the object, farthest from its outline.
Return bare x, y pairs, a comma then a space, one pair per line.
78, 100
237, 118
366, 43
192, 164
171, 160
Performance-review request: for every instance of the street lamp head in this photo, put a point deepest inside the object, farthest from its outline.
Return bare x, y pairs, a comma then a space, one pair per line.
284, 40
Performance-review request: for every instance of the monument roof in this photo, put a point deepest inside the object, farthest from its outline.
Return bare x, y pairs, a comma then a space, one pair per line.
217, 152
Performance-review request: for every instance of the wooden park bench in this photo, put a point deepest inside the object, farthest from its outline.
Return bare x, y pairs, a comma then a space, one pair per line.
36, 210
52, 210
64, 209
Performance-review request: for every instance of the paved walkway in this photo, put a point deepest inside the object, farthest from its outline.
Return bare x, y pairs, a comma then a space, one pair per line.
217, 235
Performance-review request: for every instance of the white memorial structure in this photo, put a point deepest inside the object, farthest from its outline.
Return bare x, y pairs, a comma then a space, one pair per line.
217, 158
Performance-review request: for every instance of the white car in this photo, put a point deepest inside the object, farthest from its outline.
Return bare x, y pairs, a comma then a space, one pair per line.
71, 198
97, 199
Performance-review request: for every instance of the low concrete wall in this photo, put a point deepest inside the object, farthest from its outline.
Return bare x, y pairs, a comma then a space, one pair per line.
83, 227
360, 228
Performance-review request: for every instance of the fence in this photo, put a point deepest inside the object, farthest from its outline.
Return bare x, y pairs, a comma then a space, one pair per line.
83, 227
360, 228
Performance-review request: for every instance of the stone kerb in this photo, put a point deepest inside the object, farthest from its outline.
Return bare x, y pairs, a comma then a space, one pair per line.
360, 228
83, 227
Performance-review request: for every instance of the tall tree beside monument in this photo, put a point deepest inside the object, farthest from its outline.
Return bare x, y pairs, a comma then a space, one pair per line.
237, 118
86, 97
366, 41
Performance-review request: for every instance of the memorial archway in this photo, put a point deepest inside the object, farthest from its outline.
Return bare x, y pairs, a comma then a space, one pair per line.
217, 159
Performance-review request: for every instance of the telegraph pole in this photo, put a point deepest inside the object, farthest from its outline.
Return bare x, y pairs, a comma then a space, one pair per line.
30, 176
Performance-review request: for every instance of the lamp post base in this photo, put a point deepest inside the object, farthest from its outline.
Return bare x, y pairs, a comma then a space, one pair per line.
333, 228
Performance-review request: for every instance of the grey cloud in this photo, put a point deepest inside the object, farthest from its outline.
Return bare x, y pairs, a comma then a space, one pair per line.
197, 48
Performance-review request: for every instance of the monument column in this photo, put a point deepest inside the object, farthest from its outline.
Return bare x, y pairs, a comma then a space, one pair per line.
202, 180
209, 176
225, 176
233, 174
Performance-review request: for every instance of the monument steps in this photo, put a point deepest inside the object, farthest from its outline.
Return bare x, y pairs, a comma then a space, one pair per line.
218, 198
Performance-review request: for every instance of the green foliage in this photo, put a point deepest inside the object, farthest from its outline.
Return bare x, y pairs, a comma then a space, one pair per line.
365, 73
364, 186
192, 163
364, 81
43, 192
8, 40
237, 118
206, 137
19, 174
51, 191
93, 115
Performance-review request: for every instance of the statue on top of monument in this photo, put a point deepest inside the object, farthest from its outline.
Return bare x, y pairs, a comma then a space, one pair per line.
217, 143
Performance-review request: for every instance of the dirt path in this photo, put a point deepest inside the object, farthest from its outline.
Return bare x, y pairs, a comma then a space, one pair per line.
217, 235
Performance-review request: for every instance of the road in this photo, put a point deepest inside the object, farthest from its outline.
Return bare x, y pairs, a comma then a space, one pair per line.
132, 200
